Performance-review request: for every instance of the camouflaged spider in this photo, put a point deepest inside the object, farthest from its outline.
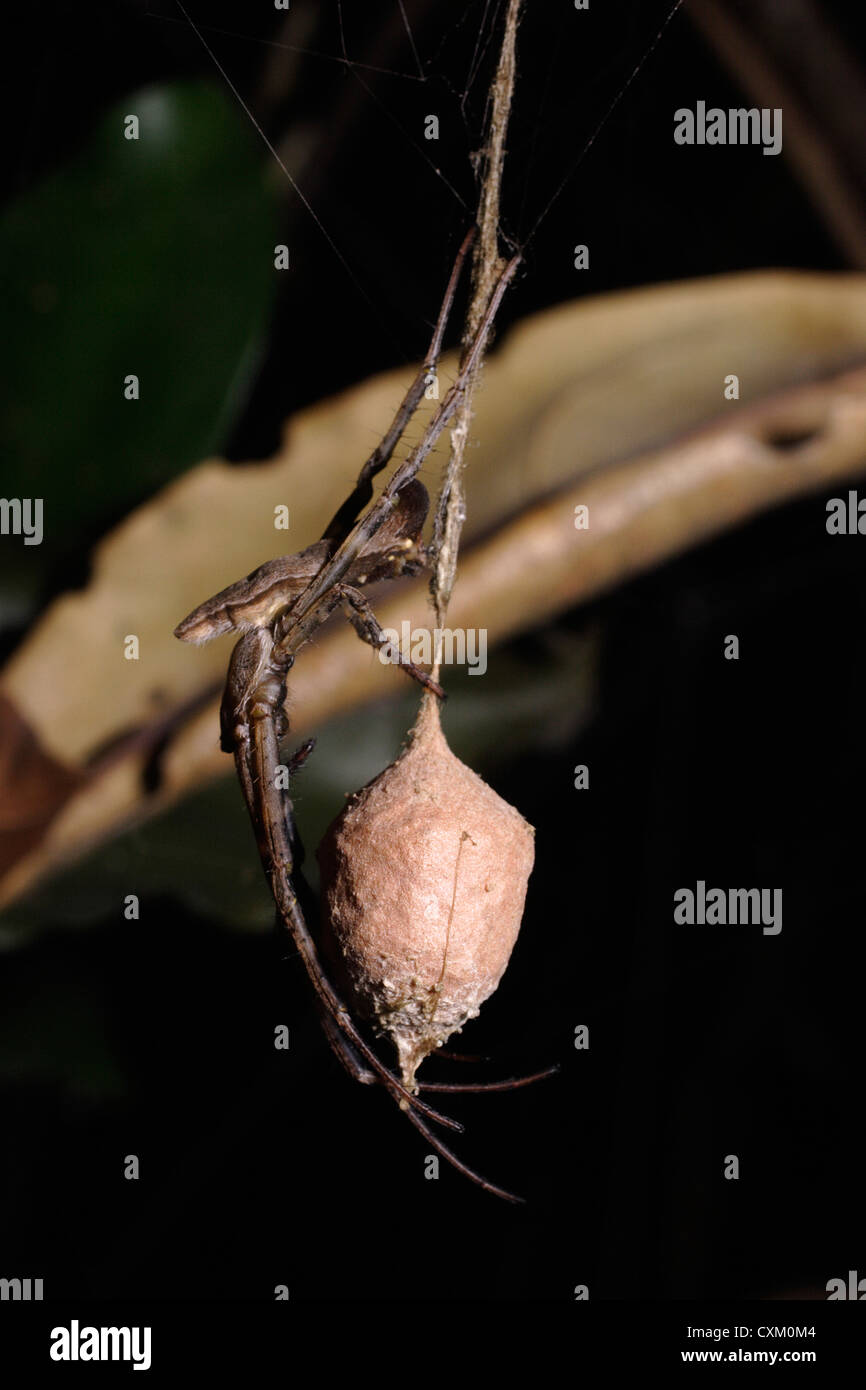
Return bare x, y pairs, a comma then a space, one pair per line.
277, 608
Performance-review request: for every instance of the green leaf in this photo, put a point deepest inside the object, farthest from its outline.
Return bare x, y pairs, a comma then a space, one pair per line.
151, 257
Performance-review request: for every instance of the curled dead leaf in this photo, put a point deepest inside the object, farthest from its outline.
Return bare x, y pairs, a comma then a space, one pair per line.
553, 435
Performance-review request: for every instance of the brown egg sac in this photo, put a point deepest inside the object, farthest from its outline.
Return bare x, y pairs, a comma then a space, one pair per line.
424, 879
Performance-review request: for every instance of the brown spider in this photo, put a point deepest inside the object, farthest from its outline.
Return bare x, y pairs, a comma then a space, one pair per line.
278, 608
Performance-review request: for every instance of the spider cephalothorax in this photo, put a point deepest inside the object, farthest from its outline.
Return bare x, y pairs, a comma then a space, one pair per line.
270, 591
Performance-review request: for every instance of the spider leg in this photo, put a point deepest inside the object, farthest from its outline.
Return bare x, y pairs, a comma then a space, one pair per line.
409, 467
345, 1052
252, 705
462, 1167
275, 849
312, 606
348, 1045
344, 519
512, 1083
300, 755
367, 626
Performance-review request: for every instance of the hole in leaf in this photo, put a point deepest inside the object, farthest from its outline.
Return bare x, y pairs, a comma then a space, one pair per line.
787, 438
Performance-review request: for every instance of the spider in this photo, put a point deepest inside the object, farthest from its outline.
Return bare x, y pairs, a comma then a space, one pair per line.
278, 608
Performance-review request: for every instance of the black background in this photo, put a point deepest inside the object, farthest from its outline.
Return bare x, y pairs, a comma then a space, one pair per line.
260, 1168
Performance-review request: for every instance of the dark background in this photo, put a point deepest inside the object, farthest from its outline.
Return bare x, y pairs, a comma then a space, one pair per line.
261, 1168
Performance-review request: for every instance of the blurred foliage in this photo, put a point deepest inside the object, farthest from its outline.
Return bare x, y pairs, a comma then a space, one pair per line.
536, 694
151, 256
